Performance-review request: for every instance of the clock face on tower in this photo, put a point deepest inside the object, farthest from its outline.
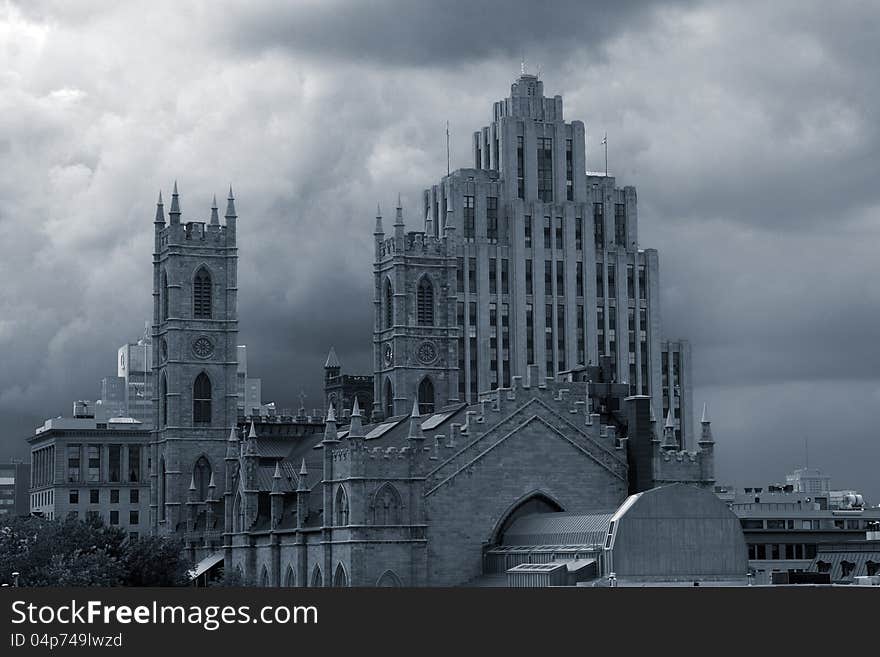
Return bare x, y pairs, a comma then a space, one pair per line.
203, 347
427, 352
388, 354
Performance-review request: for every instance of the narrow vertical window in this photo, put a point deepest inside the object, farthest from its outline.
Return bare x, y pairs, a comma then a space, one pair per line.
545, 169
505, 276
163, 399
620, 224
425, 302
389, 399
389, 304
599, 225
528, 231
529, 278
569, 171
164, 293
492, 219
202, 294
520, 169
530, 334
472, 275
426, 397
493, 276
202, 399
469, 219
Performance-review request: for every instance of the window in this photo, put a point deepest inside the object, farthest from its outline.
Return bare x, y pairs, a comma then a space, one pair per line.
528, 231
545, 169
163, 398
643, 283
472, 275
164, 292
94, 496
599, 225
530, 334
505, 276
73, 462
114, 517
389, 399
560, 233
94, 462
133, 517
548, 278
630, 282
620, 224
134, 496
459, 275
202, 294
425, 302
469, 227
548, 231
548, 338
581, 337
114, 496
520, 169
493, 345
612, 284
202, 399
600, 280
389, 304
134, 463
492, 218
115, 462
560, 336
505, 344
74, 497
493, 276
529, 281
387, 506
560, 278
340, 508
569, 171
579, 283
202, 477
579, 233
426, 397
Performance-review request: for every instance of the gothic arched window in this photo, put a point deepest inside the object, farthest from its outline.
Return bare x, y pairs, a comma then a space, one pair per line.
425, 302
202, 477
317, 578
164, 293
289, 577
163, 398
387, 506
389, 304
202, 294
162, 489
426, 396
340, 508
340, 578
202, 399
389, 399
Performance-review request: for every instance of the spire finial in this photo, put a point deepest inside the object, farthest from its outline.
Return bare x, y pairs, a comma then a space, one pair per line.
215, 218
332, 359
303, 471
252, 433
233, 435
415, 423
277, 474
670, 423
356, 409
160, 210
415, 410
705, 418
399, 203
192, 482
230, 205
211, 483
174, 212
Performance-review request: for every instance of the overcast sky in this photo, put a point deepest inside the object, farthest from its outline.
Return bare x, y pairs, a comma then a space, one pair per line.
750, 130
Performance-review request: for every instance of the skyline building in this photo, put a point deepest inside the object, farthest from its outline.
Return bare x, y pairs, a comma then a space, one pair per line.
525, 258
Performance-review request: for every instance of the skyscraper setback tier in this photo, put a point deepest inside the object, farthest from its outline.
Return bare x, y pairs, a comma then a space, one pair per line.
526, 258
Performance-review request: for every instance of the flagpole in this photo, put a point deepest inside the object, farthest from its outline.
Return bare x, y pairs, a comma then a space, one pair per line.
447, 148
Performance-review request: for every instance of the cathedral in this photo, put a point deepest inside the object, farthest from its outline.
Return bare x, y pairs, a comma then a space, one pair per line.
517, 372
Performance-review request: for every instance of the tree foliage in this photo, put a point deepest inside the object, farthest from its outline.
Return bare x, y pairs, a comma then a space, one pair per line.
70, 552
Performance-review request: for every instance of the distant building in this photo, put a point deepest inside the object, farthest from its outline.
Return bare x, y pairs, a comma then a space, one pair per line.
250, 390
808, 480
14, 484
83, 466
785, 529
135, 368
677, 391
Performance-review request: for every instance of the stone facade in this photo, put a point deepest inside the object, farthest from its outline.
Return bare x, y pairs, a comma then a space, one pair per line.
195, 330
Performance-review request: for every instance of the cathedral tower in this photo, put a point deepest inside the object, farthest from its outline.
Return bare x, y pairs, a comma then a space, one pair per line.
415, 353
195, 330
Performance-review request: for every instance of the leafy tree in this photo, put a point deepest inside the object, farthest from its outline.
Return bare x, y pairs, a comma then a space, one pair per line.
70, 552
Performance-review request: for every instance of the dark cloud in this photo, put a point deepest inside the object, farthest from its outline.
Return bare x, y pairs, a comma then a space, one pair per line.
436, 34
749, 130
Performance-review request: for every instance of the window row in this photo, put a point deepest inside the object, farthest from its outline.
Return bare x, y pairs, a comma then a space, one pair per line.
202, 295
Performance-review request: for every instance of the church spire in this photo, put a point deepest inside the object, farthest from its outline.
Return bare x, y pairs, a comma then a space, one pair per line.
160, 210
355, 429
174, 212
230, 205
415, 423
215, 218
669, 441
706, 433
379, 229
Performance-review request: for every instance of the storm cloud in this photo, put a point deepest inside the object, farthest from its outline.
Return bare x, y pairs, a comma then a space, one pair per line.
749, 129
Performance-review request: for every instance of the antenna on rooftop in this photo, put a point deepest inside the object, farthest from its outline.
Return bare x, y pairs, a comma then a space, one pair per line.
447, 148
